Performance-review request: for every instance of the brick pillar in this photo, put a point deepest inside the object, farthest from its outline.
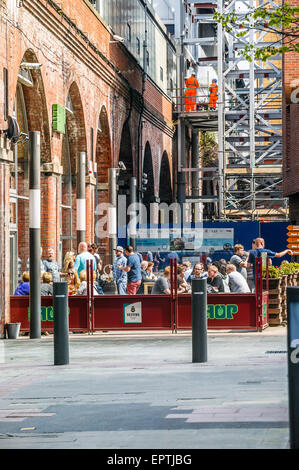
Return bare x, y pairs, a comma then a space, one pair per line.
50, 207
90, 208
4, 247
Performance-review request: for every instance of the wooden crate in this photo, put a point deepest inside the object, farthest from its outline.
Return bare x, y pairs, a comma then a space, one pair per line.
275, 319
277, 289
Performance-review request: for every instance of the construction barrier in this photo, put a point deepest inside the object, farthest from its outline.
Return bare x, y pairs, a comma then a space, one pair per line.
151, 312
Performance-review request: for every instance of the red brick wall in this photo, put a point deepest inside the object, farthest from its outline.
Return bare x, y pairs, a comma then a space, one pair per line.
4, 246
69, 65
291, 120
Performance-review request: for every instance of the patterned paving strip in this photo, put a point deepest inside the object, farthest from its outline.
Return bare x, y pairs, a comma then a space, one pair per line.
21, 415
234, 414
16, 383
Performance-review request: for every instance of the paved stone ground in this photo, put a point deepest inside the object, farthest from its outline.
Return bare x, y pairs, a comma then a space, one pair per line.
142, 391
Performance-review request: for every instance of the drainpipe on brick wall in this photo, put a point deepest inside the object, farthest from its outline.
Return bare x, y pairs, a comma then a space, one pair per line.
140, 126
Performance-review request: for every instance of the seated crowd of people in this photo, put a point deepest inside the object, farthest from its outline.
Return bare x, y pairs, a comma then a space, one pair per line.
130, 273
221, 277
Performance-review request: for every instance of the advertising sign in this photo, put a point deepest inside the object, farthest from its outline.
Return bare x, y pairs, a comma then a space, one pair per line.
132, 313
194, 239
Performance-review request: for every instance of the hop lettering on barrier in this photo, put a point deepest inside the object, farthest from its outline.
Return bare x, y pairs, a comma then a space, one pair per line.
47, 313
222, 312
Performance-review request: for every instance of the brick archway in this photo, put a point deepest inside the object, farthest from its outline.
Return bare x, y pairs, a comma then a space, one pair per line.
75, 125
149, 193
103, 148
148, 169
165, 189
74, 142
126, 156
104, 162
31, 113
36, 106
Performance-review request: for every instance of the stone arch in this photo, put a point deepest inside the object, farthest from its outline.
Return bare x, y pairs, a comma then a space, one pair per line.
165, 188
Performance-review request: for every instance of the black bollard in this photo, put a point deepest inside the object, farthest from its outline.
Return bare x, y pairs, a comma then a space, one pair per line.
61, 323
199, 320
293, 363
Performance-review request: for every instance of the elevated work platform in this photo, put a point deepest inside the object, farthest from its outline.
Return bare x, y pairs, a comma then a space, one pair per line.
202, 120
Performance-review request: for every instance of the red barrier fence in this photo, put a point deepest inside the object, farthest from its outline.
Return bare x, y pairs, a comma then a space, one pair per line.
151, 312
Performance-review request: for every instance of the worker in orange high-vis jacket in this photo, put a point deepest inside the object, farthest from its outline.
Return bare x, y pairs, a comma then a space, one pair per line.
213, 94
191, 85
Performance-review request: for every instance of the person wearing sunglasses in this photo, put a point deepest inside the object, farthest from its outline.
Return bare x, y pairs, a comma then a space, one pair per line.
73, 281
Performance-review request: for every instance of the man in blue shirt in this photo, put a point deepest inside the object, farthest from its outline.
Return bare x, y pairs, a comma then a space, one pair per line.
260, 248
133, 270
119, 276
82, 257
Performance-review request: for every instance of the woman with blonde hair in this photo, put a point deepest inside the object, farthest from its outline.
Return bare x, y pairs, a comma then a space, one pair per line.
73, 281
68, 261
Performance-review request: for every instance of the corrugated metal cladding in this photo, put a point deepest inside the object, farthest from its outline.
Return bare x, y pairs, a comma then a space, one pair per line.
291, 160
131, 20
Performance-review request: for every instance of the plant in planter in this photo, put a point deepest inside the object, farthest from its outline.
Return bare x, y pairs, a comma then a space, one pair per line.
291, 271
286, 268
274, 273
295, 267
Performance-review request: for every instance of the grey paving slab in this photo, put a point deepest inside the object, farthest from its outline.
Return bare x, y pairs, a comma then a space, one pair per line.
143, 392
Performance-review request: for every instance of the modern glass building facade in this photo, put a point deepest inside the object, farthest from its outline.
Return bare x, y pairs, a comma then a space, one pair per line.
144, 35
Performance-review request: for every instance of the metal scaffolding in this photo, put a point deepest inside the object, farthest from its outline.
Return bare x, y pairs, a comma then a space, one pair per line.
248, 118
251, 138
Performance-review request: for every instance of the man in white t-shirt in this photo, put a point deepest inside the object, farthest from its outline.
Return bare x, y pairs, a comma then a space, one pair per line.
237, 282
239, 259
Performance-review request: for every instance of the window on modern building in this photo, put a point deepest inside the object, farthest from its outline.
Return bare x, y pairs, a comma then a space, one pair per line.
170, 28
161, 74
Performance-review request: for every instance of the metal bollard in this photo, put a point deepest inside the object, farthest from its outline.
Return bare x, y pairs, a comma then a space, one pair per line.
199, 320
293, 363
61, 323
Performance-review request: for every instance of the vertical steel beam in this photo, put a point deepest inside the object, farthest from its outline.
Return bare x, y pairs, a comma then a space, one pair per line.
252, 114
195, 176
181, 178
221, 112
